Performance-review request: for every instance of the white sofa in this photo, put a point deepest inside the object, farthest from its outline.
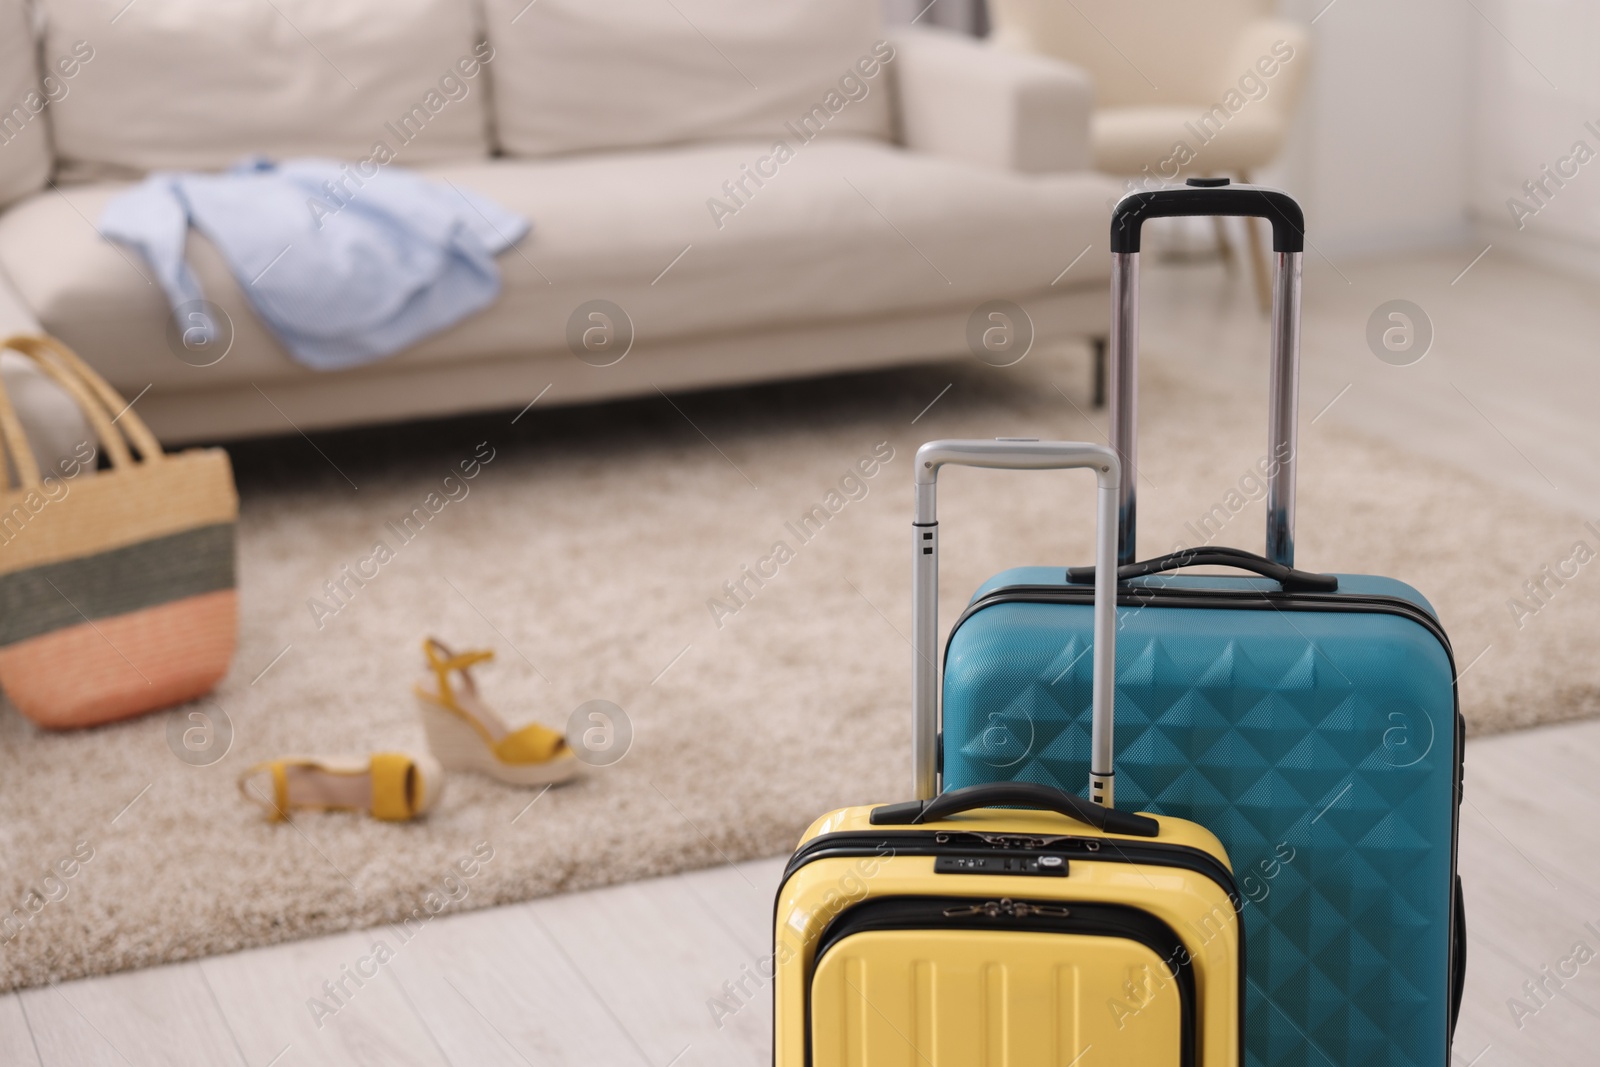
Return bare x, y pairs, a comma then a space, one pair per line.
638, 136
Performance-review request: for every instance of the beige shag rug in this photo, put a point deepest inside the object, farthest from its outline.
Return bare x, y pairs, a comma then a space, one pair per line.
592, 551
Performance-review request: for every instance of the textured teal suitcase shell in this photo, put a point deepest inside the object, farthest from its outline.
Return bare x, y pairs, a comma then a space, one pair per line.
1317, 735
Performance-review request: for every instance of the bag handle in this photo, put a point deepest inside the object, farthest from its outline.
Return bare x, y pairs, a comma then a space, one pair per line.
15, 441
1009, 454
100, 403
1017, 795
107, 433
138, 433
1292, 580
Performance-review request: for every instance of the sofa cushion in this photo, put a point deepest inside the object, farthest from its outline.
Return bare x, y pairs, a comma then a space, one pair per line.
574, 75
24, 129
195, 85
849, 228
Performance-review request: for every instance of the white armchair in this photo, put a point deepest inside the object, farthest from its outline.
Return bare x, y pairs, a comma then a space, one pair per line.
1182, 87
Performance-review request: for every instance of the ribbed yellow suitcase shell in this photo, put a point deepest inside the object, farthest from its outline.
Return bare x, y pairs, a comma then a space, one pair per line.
934, 997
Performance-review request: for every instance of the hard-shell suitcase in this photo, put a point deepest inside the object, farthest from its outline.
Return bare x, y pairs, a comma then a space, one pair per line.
1051, 932
1309, 721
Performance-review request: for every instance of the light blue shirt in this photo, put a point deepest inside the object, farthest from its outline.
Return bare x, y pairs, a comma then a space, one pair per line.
345, 269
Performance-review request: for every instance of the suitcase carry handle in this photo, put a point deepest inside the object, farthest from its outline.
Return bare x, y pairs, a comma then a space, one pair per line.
1009, 454
1210, 196
1292, 580
1016, 795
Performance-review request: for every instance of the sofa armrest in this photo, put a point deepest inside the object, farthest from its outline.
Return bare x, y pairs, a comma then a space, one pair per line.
966, 100
56, 430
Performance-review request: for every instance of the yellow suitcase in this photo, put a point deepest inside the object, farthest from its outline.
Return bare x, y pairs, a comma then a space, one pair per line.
1012, 924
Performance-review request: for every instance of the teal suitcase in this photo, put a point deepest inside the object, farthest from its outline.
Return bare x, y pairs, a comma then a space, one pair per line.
1309, 721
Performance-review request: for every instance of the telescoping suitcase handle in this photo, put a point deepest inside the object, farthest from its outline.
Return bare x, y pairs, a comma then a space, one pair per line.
1210, 196
1010, 455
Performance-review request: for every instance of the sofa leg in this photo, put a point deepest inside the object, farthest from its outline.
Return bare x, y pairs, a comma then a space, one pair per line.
1098, 369
1258, 258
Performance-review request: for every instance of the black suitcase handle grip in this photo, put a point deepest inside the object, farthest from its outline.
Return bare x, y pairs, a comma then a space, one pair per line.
1292, 580
1016, 794
1278, 208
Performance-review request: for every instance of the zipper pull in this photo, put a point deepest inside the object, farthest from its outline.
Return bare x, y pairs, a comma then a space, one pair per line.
1022, 909
1016, 841
1011, 909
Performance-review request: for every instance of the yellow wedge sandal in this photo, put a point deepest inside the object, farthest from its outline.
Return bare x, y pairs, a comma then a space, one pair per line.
465, 734
393, 786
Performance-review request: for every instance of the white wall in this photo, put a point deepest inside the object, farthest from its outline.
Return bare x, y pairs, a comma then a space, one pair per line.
1538, 85
1380, 153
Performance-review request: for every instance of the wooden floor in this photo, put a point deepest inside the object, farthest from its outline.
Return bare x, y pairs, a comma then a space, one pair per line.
1508, 388
629, 975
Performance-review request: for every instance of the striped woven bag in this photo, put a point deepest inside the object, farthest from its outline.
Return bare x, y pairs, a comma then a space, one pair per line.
116, 591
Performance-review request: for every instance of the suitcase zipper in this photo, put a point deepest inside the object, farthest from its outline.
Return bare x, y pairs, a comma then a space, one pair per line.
1168, 597
848, 844
1021, 916
1159, 597
857, 843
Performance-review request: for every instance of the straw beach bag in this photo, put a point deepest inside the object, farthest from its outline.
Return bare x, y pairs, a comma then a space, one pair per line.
117, 590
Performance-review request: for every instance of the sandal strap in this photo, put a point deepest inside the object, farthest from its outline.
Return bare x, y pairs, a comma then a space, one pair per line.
531, 744
277, 808
443, 661
441, 658
394, 786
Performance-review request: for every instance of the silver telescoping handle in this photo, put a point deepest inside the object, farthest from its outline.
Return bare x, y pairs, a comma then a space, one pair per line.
1011, 455
1284, 392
